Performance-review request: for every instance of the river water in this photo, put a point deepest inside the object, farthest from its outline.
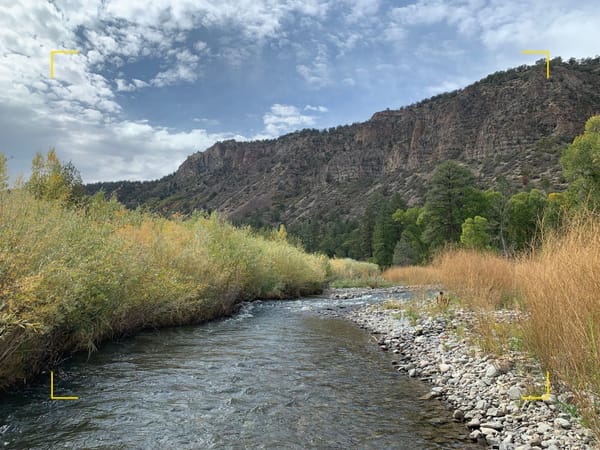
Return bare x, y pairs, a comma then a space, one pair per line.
279, 375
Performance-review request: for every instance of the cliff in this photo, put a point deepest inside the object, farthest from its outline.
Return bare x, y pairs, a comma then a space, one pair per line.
511, 124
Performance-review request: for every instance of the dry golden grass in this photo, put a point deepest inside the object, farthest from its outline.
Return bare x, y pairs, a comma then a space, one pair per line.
561, 285
482, 280
412, 275
558, 285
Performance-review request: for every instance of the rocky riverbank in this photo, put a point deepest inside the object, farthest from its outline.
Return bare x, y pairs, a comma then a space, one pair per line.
484, 392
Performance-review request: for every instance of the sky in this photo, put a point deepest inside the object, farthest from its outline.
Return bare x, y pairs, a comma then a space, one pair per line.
156, 81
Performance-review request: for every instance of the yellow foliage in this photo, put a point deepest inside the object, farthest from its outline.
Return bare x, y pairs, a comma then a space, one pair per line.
72, 278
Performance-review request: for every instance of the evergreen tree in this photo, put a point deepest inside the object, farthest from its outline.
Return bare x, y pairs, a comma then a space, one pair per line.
386, 231
368, 224
452, 197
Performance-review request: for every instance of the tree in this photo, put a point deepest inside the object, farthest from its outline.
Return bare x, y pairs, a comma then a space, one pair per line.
475, 233
3, 173
452, 197
581, 166
368, 224
495, 212
524, 213
410, 249
386, 231
51, 180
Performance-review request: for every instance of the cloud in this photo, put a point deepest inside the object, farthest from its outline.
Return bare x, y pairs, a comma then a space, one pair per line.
125, 86
317, 73
321, 109
447, 86
363, 10
184, 68
285, 118
208, 122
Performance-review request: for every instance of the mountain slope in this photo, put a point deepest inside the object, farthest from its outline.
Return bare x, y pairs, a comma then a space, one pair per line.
511, 124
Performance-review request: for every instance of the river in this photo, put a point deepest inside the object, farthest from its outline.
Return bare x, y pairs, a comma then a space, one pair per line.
278, 375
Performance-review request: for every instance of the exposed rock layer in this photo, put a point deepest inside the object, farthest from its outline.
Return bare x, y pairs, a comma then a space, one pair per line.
511, 124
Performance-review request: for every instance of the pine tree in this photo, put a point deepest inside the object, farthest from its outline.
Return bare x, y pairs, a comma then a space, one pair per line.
452, 197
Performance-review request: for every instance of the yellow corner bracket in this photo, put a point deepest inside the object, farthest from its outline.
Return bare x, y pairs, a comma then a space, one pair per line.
57, 52
541, 52
52, 390
544, 397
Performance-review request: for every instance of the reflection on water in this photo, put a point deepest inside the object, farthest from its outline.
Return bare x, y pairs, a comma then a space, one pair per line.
275, 376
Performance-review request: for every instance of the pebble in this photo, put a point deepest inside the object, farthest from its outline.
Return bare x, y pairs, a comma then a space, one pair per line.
562, 423
492, 371
515, 393
483, 391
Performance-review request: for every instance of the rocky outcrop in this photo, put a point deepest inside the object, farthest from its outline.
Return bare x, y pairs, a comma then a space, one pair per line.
509, 124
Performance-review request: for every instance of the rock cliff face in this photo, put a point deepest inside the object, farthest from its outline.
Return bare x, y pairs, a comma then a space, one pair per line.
511, 124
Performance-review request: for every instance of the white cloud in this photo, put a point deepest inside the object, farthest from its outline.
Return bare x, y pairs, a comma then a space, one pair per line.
184, 69
321, 109
447, 86
362, 10
285, 118
318, 72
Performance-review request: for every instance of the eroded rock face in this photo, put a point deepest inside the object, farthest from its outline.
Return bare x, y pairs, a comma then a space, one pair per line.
508, 124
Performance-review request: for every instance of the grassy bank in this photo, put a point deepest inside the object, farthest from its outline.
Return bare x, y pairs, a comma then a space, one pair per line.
71, 278
558, 286
347, 273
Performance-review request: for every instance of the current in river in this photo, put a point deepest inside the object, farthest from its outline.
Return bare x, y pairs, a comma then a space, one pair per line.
278, 375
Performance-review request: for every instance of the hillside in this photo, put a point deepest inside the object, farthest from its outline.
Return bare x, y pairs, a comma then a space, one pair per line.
510, 124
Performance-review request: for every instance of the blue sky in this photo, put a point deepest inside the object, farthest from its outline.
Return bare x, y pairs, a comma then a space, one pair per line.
156, 81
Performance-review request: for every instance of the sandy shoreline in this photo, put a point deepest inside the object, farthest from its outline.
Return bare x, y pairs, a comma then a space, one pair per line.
482, 391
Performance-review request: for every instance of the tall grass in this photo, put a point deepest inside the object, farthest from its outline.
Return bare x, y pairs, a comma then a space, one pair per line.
415, 275
482, 280
72, 278
562, 287
557, 285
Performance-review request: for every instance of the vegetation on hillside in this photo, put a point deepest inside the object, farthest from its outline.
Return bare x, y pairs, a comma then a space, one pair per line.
76, 270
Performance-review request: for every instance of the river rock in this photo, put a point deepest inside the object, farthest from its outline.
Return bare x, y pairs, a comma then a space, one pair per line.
492, 371
488, 431
473, 423
444, 368
494, 425
562, 423
475, 435
515, 393
458, 415
544, 428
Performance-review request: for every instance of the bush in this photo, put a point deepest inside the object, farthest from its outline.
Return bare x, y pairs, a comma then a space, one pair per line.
71, 278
